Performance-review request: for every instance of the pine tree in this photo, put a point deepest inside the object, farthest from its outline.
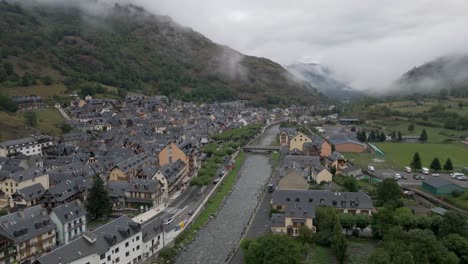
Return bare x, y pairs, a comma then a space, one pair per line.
411, 127
416, 163
98, 202
382, 137
448, 166
393, 136
423, 136
372, 136
435, 164
400, 136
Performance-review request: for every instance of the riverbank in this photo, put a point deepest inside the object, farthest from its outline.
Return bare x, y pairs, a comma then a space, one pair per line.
223, 232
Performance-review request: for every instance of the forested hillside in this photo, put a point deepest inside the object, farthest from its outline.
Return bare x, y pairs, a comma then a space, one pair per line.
128, 48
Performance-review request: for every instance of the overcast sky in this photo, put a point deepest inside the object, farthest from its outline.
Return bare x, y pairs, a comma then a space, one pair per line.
368, 43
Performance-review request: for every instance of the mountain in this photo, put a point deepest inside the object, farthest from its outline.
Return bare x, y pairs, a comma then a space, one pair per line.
445, 75
322, 78
89, 43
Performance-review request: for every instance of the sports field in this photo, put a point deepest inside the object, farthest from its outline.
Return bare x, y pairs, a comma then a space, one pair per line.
402, 153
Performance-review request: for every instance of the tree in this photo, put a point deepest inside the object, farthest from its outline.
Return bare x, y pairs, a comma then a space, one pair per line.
423, 137
305, 235
333, 170
448, 166
341, 248
362, 221
411, 127
400, 137
30, 118
416, 163
380, 256
453, 223
460, 105
333, 148
350, 184
435, 164
98, 202
382, 137
272, 248
361, 136
372, 136
388, 193
347, 221
457, 244
7, 104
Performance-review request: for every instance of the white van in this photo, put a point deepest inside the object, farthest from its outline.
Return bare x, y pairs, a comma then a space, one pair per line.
425, 171
371, 168
408, 169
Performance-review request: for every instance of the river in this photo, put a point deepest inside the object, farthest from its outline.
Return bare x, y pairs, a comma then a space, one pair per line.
217, 240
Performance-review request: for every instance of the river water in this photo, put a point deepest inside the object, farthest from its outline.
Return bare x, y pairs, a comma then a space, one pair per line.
218, 239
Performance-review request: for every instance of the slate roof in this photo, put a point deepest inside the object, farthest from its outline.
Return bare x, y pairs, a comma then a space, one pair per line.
343, 139
68, 188
69, 211
277, 220
31, 192
28, 174
305, 198
24, 225
291, 161
95, 242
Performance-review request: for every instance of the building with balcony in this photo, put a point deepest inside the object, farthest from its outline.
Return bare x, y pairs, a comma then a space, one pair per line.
31, 231
7, 250
10, 183
119, 241
70, 219
29, 146
297, 207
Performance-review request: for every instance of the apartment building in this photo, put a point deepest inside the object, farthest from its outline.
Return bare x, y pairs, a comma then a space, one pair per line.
70, 219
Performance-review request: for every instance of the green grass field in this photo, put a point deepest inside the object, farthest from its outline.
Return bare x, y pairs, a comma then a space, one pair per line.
44, 91
408, 106
13, 126
402, 153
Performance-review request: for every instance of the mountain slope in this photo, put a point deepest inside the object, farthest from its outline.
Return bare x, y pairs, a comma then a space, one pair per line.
322, 78
448, 74
125, 46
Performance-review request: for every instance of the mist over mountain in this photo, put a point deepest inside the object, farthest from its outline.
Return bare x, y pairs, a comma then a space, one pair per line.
91, 42
445, 75
323, 79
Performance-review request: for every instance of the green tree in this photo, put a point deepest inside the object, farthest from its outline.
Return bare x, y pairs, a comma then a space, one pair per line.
411, 127
435, 164
6, 104
388, 193
423, 137
380, 256
305, 235
341, 248
347, 221
350, 184
382, 137
457, 244
453, 223
98, 202
362, 221
30, 119
448, 166
416, 163
333, 148
272, 248
400, 137
333, 170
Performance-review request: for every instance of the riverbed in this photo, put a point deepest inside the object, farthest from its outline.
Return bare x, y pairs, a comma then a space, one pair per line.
219, 238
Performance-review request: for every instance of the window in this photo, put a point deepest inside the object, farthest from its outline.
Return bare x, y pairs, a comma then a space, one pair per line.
138, 247
126, 244
103, 256
109, 257
127, 253
137, 238
117, 260
116, 250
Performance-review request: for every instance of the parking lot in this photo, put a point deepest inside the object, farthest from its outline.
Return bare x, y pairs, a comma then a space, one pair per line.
383, 174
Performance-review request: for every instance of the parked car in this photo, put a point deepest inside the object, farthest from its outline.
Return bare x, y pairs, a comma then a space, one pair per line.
169, 220
371, 168
456, 174
408, 169
190, 212
404, 177
422, 177
271, 187
397, 176
435, 174
462, 178
425, 171
215, 181
416, 177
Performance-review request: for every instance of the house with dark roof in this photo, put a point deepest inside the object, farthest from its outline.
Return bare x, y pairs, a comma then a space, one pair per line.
70, 219
129, 168
346, 143
118, 241
31, 231
298, 207
11, 182
135, 192
27, 196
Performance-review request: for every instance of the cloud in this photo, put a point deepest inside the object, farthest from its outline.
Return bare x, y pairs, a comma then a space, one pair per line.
367, 43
